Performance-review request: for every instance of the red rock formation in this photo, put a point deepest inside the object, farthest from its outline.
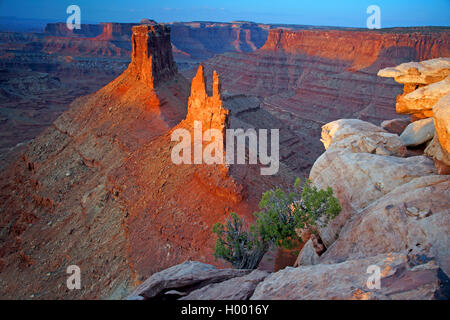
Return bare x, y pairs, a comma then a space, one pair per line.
116, 31
151, 59
360, 48
424, 84
202, 40
207, 109
60, 29
310, 60
102, 31
80, 47
102, 40
173, 207
194, 41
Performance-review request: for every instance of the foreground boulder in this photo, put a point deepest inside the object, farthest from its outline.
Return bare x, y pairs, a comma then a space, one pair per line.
308, 255
421, 101
418, 132
426, 94
441, 115
360, 136
424, 84
418, 73
182, 279
239, 288
439, 148
396, 126
416, 214
440, 156
402, 277
358, 179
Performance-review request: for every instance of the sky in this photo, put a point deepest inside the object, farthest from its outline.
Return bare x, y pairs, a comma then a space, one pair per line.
346, 13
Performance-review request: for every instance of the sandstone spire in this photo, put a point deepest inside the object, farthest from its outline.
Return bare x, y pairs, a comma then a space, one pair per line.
207, 109
198, 85
151, 58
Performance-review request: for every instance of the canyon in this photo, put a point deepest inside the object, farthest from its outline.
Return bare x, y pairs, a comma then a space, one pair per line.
100, 186
308, 78
303, 68
96, 185
61, 65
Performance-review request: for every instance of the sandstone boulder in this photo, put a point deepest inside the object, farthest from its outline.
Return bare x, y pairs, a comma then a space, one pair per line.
418, 132
308, 255
396, 126
441, 167
415, 214
439, 148
435, 150
421, 101
425, 72
441, 115
184, 278
239, 288
358, 179
402, 277
360, 136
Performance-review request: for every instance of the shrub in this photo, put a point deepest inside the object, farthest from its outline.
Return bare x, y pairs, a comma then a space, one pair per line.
281, 215
243, 249
301, 208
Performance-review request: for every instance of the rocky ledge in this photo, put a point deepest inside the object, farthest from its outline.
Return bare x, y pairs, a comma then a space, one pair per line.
426, 97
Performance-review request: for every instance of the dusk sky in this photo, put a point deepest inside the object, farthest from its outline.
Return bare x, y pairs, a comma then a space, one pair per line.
331, 13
